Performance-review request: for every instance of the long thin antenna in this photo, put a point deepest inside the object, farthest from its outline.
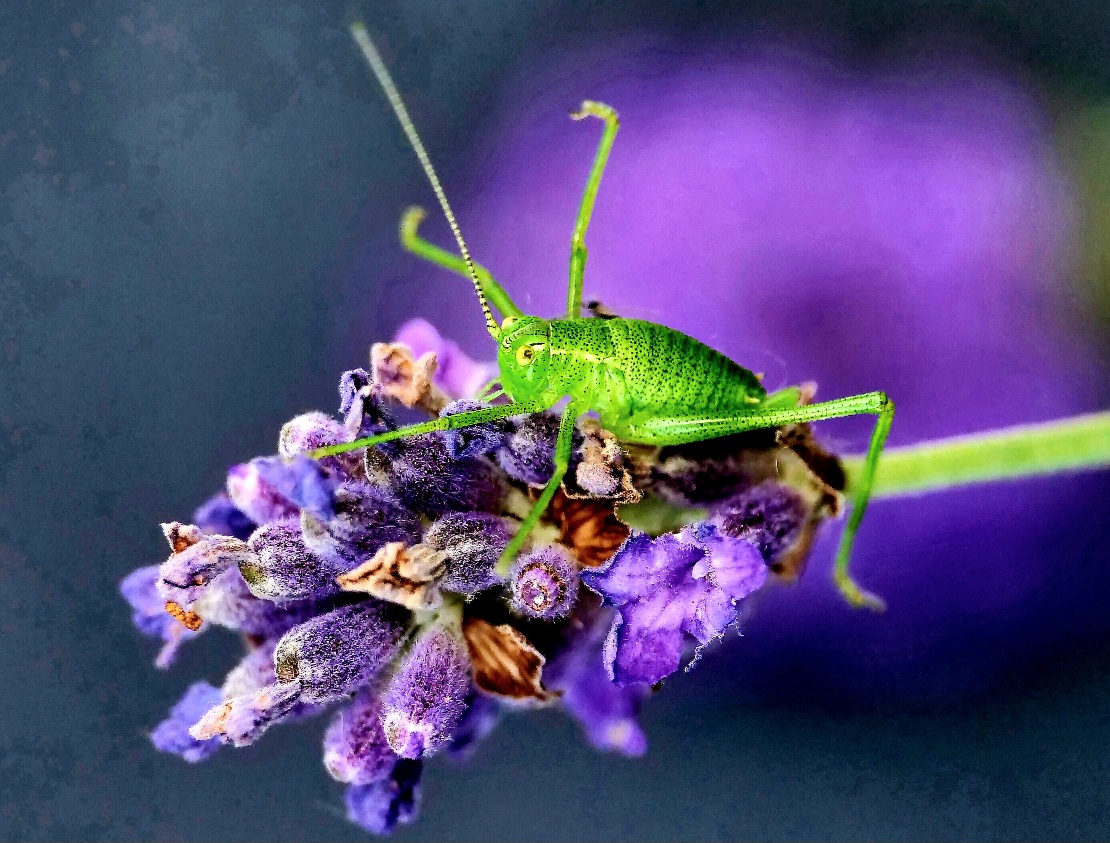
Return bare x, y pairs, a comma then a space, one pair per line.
374, 58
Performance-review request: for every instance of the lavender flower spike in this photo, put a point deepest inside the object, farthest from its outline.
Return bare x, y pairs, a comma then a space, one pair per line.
427, 696
333, 654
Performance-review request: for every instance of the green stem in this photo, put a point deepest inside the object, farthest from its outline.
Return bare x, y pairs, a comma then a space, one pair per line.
1081, 442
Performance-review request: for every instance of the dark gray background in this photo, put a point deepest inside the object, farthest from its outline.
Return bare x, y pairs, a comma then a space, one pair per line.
186, 186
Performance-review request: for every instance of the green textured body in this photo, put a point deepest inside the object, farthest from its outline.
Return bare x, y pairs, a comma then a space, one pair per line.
626, 369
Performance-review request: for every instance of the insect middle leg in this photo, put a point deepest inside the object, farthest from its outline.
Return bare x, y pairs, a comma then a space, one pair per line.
563, 446
657, 430
586, 209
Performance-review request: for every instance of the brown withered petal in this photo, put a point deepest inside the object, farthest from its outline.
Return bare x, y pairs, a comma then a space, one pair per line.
189, 620
824, 465
405, 378
505, 663
405, 575
180, 536
789, 565
590, 527
602, 471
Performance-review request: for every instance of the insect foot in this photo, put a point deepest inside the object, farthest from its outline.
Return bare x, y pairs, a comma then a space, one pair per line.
368, 579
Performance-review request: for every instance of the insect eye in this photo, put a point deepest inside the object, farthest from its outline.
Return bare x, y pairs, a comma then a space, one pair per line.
524, 355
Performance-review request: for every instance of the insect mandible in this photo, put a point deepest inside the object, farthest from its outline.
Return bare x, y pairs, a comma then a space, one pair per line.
649, 384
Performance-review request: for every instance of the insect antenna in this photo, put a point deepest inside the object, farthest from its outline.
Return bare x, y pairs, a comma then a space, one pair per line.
374, 59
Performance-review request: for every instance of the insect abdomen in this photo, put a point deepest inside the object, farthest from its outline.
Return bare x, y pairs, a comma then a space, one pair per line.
666, 370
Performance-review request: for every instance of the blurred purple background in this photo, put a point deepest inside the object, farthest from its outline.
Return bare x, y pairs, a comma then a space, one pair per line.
906, 226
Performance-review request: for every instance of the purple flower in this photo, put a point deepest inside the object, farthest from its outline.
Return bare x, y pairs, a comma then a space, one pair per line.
301, 481
196, 562
471, 543
309, 431
666, 587
769, 515
428, 479
366, 518
219, 515
148, 612
283, 568
528, 454
606, 710
427, 695
256, 498
355, 747
172, 734
457, 374
382, 806
335, 653
240, 721
544, 584
475, 441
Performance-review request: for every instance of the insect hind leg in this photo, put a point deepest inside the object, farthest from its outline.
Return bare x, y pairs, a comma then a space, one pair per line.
655, 430
586, 209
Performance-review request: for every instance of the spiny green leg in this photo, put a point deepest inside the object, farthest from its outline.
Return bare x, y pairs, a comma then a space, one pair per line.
861, 495
586, 209
453, 422
562, 460
410, 222
657, 430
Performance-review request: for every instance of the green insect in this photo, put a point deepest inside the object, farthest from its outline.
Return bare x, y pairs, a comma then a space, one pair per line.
648, 383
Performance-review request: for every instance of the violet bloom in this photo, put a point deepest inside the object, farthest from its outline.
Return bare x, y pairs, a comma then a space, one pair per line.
669, 587
906, 230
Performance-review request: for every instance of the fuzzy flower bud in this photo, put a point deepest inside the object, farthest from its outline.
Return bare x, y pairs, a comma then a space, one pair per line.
196, 561
355, 747
335, 653
283, 568
544, 584
477, 440
471, 544
427, 696
428, 479
366, 518
241, 721
768, 515
529, 451
309, 431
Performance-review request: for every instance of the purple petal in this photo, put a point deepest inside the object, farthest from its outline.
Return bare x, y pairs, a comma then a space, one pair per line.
641, 567
733, 565
645, 642
382, 806
259, 500
220, 516
172, 734
301, 481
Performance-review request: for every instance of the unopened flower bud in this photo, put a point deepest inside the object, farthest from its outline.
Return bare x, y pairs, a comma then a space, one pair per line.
544, 584
427, 695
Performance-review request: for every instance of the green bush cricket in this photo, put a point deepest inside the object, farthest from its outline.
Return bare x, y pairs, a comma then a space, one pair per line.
649, 384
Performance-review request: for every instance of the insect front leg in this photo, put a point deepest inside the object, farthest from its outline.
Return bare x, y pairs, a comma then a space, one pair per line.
586, 209
563, 447
413, 242
453, 422
657, 430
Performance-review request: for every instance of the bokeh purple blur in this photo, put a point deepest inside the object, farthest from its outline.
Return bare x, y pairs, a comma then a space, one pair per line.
907, 228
